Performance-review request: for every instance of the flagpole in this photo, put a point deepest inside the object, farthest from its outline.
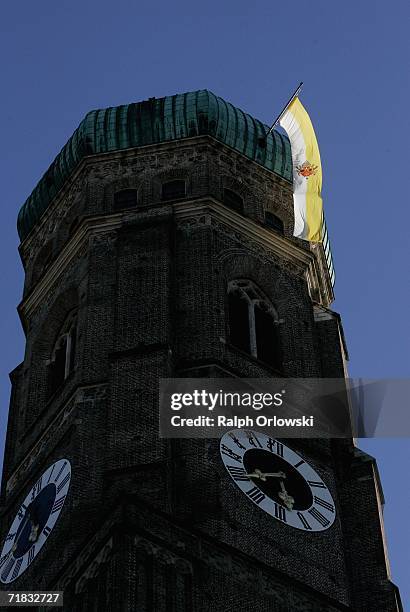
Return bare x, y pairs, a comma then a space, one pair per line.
279, 117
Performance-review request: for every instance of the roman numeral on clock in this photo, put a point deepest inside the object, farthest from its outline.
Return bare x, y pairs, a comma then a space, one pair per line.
303, 520
4, 559
51, 473
22, 511
275, 447
46, 531
279, 449
31, 554
321, 502
237, 473
317, 483
255, 495
319, 517
253, 440
271, 444
58, 504
17, 568
237, 442
7, 569
61, 471
229, 453
63, 482
301, 462
11, 536
37, 488
280, 512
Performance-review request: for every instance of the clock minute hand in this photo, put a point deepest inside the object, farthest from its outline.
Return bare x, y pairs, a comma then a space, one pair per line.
264, 475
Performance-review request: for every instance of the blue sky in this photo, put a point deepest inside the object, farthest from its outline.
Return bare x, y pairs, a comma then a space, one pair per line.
60, 60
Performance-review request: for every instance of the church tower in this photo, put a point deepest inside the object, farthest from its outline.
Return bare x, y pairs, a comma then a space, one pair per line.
159, 245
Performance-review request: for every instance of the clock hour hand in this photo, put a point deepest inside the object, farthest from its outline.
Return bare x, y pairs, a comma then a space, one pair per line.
264, 475
287, 499
26, 519
30, 517
35, 525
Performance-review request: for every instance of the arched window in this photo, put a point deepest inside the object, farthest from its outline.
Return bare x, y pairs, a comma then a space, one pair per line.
274, 222
126, 198
233, 200
172, 190
253, 323
62, 359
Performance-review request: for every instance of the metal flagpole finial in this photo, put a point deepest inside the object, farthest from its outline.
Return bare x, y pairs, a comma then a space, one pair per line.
262, 140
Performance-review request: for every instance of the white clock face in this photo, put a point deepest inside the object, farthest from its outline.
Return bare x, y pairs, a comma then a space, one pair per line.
277, 480
35, 521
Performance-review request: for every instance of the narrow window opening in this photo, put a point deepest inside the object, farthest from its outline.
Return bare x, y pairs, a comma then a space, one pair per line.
233, 200
172, 190
58, 367
253, 323
127, 198
267, 341
274, 222
62, 361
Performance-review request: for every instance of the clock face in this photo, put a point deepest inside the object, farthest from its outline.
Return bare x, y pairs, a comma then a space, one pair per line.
35, 520
278, 480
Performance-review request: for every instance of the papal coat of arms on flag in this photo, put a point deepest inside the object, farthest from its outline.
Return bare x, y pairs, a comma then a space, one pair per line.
306, 169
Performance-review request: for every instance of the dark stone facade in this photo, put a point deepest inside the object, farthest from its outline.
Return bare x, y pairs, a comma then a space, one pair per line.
153, 524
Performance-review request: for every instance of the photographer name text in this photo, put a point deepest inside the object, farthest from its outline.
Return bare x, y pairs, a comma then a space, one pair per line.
239, 422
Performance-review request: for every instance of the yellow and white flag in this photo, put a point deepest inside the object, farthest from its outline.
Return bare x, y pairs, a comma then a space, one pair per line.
307, 172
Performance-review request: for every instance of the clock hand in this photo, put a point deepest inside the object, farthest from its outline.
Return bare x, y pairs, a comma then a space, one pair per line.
33, 537
26, 519
264, 475
287, 499
35, 526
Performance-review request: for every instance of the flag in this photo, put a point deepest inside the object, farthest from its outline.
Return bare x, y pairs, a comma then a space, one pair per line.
307, 172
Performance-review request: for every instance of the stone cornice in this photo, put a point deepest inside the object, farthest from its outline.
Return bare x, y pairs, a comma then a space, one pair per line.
284, 248
142, 151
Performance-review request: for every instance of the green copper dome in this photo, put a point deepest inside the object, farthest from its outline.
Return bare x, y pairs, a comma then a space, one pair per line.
157, 120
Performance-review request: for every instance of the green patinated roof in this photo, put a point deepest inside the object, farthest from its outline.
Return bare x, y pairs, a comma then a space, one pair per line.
153, 121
